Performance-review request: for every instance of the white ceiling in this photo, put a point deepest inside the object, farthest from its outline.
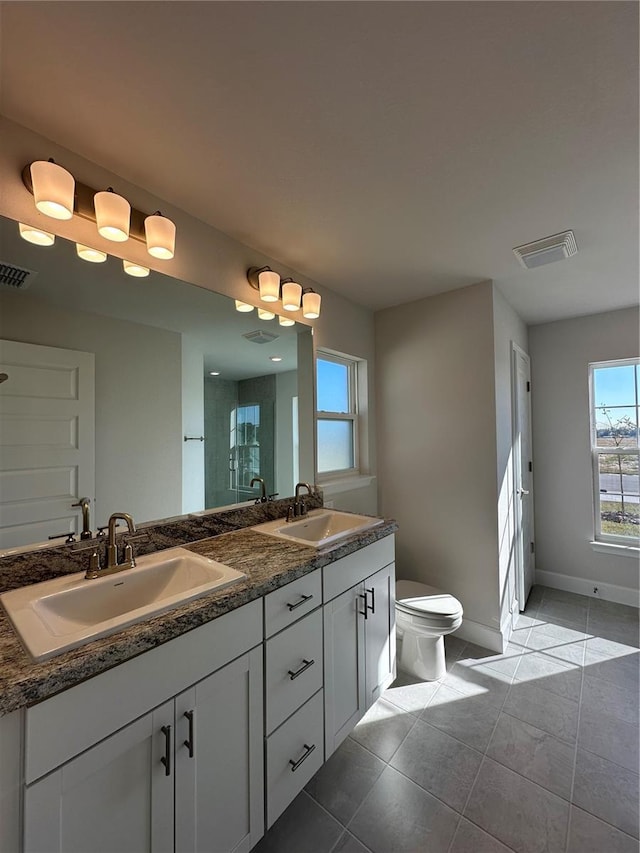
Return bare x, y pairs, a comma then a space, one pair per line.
387, 150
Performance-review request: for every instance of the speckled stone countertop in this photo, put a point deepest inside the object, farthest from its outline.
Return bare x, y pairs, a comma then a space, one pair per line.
269, 563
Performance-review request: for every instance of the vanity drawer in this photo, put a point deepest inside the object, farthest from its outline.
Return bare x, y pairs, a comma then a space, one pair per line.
286, 605
295, 752
354, 568
293, 668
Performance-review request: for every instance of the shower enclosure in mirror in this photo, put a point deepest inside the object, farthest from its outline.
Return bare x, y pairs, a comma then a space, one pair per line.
106, 377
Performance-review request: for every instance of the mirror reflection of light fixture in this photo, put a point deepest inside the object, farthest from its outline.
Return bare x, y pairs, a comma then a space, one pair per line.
36, 235
291, 295
53, 189
113, 216
310, 304
136, 270
265, 315
160, 233
243, 307
94, 256
272, 289
286, 321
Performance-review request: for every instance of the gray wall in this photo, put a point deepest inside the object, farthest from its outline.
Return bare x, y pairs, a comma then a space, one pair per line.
560, 355
138, 402
437, 444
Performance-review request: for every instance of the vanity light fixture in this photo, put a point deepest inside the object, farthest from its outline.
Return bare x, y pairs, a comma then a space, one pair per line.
160, 234
36, 235
136, 270
214, 373
53, 189
265, 315
94, 256
273, 289
311, 304
286, 321
113, 215
275, 358
243, 307
57, 194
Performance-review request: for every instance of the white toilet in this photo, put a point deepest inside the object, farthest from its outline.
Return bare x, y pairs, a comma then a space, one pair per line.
424, 615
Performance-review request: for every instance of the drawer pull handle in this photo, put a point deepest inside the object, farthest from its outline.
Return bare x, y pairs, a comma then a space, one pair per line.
307, 752
305, 665
373, 599
364, 612
190, 742
166, 758
300, 603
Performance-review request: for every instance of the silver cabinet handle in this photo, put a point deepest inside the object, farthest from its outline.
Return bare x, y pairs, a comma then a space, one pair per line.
166, 758
300, 603
308, 750
373, 600
190, 742
305, 665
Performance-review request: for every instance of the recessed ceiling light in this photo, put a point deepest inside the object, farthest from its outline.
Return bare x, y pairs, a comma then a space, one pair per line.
275, 358
214, 373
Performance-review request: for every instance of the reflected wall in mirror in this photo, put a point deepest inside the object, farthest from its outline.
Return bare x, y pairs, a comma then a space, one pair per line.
107, 375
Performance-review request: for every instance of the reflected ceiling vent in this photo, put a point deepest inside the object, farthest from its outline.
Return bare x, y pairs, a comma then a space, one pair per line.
260, 337
18, 278
558, 247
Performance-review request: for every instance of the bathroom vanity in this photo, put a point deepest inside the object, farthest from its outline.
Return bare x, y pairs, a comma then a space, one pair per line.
196, 729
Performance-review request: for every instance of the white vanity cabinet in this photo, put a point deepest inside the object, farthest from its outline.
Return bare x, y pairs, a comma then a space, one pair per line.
186, 776
359, 636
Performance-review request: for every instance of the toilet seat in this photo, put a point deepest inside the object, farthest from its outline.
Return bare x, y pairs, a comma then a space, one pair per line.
427, 603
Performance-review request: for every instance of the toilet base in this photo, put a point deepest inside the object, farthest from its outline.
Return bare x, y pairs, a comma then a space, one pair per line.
422, 656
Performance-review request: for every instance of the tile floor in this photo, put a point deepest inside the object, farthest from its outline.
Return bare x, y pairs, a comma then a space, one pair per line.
534, 750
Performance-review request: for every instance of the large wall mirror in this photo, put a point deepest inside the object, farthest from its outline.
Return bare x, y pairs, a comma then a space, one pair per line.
103, 376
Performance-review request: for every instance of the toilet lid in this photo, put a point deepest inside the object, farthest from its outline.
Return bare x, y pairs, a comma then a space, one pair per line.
426, 599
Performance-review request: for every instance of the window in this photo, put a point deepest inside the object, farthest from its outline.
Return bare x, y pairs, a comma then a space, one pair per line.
614, 388
337, 416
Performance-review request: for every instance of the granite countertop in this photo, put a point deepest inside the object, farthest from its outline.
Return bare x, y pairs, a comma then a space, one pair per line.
269, 563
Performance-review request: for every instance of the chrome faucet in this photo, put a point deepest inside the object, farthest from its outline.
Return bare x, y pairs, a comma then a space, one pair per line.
299, 506
83, 503
263, 489
113, 566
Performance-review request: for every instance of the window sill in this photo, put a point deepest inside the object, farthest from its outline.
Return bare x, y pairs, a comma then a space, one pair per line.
617, 549
345, 484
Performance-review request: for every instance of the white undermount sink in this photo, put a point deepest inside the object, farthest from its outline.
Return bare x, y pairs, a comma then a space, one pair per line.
321, 527
61, 614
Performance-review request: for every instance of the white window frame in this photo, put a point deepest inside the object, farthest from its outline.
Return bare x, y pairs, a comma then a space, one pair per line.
596, 452
352, 416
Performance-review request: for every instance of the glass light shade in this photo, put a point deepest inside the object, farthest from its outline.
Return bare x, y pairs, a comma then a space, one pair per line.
243, 307
53, 189
286, 321
311, 305
36, 235
113, 214
94, 256
136, 270
291, 293
269, 282
265, 315
161, 236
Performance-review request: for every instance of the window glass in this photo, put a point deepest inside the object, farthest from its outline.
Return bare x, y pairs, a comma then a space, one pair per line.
614, 386
335, 445
333, 386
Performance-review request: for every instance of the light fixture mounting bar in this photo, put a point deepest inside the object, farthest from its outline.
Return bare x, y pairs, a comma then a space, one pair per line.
83, 206
252, 276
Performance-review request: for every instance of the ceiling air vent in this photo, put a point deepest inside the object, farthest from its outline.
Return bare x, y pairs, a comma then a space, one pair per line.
546, 251
18, 278
260, 337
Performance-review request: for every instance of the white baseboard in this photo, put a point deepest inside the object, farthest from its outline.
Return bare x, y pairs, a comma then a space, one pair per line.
481, 635
583, 586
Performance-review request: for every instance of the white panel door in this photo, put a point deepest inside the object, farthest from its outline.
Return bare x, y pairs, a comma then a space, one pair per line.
523, 477
116, 796
47, 440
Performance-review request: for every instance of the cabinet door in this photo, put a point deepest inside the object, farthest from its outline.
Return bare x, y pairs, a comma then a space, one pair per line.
115, 796
380, 636
344, 665
219, 760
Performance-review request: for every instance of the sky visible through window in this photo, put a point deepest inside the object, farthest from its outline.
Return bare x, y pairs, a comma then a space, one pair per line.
333, 386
